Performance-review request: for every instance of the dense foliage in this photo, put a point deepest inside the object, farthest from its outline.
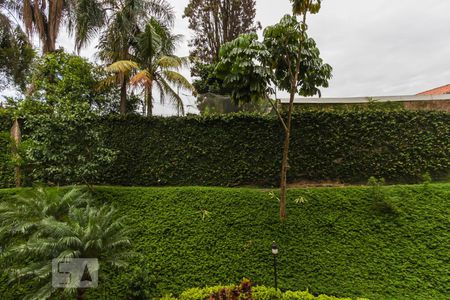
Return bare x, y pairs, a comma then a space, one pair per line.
63, 81
16, 54
244, 149
334, 241
299, 55
217, 22
243, 68
244, 291
73, 156
6, 167
39, 225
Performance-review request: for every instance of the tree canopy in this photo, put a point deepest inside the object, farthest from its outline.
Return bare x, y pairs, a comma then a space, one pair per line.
250, 68
153, 65
16, 52
289, 46
217, 22
244, 70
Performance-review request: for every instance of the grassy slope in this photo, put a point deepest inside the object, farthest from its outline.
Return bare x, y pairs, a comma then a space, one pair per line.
334, 243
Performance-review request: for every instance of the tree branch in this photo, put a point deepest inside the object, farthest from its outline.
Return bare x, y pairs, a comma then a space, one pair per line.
278, 113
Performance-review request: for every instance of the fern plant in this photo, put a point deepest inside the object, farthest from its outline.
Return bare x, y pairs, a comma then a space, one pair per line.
54, 225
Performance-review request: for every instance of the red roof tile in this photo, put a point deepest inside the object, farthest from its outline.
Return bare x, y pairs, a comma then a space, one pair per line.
438, 91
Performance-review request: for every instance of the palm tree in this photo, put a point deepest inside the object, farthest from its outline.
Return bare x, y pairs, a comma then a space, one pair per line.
84, 18
117, 22
83, 232
46, 17
301, 7
43, 17
87, 233
16, 52
21, 215
5, 21
125, 21
153, 65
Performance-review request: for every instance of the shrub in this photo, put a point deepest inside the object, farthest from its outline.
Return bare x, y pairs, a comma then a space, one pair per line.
230, 150
246, 149
245, 291
65, 149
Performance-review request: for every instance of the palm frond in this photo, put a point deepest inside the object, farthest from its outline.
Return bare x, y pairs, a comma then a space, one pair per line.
107, 82
173, 96
178, 80
122, 66
170, 62
161, 9
142, 78
86, 21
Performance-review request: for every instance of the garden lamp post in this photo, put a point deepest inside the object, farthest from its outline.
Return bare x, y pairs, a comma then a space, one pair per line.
274, 254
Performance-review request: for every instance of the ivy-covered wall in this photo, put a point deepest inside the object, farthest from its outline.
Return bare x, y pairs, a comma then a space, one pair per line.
246, 149
228, 150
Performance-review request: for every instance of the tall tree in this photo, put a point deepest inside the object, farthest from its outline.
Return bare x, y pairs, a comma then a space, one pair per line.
299, 70
44, 17
153, 65
124, 21
288, 59
16, 52
216, 22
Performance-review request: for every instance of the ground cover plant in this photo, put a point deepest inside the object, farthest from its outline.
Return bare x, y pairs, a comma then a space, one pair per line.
335, 241
247, 291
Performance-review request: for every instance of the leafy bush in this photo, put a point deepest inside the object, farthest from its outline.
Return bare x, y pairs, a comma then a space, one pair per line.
65, 80
65, 149
245, 291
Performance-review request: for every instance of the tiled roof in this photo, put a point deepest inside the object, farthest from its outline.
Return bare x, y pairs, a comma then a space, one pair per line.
438, 91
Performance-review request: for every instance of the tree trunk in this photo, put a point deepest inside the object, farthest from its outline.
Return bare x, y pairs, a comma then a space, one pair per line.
283, 181
285, 160
123, 97
287, 140
149, 100
16, 137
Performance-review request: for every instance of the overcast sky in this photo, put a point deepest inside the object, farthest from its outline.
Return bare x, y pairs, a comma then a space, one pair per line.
376, 47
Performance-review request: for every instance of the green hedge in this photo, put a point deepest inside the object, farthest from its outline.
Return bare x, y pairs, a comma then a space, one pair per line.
348, 146
244, 149
5, 120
